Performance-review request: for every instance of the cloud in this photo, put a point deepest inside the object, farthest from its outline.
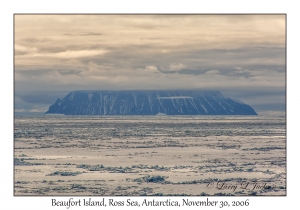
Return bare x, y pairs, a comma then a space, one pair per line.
276, 113
68, 72
221, 52
35, 110
22, 50
213, 72
71, 54
151, 69
20, 110
176, 67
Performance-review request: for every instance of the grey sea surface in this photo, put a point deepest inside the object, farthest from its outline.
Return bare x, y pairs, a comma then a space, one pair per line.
149, 155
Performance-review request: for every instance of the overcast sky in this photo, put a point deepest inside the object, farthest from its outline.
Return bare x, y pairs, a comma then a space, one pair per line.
242, 56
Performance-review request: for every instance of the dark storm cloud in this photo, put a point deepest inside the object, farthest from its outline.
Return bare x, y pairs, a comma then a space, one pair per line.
35, 73
35, 40
38, 98
270, 106
37, 101
277, 68
45, 72
194, 71
41, 97
260, 99
67, 72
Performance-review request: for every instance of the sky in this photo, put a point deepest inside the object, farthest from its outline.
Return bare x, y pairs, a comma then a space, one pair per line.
242, 56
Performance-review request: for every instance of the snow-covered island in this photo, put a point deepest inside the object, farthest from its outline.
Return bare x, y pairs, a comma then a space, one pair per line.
149, 102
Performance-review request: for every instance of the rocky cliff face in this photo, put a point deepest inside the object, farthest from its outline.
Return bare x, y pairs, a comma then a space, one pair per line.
170, 102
